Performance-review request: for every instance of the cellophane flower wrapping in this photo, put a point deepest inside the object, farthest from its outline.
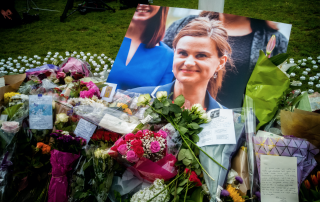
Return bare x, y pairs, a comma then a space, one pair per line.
145, 154
303, 150
110, 119
223, 154
125, 101
102, 165
75, 65
61, 164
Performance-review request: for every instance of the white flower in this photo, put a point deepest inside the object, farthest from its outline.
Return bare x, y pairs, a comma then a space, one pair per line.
197, 109
143, 99
149, 192
65, 133
161, 95
62, 117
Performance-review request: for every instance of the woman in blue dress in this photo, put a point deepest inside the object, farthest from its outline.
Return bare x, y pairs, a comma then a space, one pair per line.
143, 60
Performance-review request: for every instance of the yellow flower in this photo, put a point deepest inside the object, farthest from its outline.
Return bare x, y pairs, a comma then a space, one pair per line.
62, 117
234, 194
7, 96
68, 79
128, 111
124, 106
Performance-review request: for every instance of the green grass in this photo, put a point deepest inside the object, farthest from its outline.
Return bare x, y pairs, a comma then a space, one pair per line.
103, 32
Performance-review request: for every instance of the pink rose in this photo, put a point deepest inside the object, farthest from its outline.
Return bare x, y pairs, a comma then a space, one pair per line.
155, 146
122, 149
162, 133
132, 156
61, 75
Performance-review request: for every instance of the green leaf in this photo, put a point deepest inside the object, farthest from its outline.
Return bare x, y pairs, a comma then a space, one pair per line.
158, 105
193, 125
86, 165
77, 194
183, 130
193, 116
197, 195
37, 165
198, 171
195, 138
279, 59
166, 103
183, 182
182, 154
315, 194
11, 110
83, 195
174, 108
179, 100
186, 161
165, 110
188, 154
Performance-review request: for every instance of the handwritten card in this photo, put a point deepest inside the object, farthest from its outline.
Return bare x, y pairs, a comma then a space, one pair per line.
40, 112
108, 92
278, 176
85, 129
220, 130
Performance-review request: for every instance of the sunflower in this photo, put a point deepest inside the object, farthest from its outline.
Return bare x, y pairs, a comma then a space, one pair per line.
234, 194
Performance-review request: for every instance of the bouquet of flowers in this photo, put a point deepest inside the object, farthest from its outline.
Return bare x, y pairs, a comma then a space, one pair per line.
66, 150
125, 101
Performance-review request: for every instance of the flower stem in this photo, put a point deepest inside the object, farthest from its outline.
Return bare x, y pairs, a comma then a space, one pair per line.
165, 187
204, 152
177, 128
185, 196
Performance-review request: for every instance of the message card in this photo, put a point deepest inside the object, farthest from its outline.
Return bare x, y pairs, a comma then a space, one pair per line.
220, 130
85, 129
40, 112
278, 176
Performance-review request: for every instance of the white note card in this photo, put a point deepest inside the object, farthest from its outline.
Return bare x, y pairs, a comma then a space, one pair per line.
40, 112
85, 129
108, 91
220, 130
278, 175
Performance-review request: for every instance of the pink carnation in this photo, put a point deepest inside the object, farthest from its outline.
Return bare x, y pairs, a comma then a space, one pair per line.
122, 149
61, 75
132, 156
162, 133
119, 142
155, 146
84, 94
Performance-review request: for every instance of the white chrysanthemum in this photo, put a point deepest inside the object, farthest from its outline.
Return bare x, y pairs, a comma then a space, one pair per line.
149, 192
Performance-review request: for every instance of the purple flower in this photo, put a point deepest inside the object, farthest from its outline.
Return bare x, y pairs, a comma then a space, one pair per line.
225, 193
239, 179
257, 193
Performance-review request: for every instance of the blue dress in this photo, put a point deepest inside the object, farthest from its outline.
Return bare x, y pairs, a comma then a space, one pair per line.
148, 66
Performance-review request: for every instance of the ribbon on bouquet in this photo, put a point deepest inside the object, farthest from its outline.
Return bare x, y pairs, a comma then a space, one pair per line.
61, 163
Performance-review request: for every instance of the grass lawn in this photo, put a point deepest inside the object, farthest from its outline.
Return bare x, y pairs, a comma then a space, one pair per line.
103, 32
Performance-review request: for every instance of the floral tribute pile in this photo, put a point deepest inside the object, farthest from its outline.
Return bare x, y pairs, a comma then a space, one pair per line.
142, 149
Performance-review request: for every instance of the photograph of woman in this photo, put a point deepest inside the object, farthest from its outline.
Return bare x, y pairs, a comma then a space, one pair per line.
142, 51
201, 51
246, 37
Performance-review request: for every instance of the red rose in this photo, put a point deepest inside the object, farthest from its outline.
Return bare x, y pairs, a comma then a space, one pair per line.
94, 137
129, 137
113, 151
114, 136
120, 142
139, 151
137, 143
106, 136
139, 134
186, 170
194, 178
99, 135
47, 73
78, 76
156, 135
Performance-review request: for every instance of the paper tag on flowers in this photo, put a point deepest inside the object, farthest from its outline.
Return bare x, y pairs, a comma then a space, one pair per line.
108, 92
85, 129
220, 130
40, 112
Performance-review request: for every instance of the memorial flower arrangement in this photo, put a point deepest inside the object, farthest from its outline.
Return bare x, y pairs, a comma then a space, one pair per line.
159, 145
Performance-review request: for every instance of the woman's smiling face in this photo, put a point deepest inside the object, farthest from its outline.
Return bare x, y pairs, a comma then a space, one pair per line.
196, 60
145, 12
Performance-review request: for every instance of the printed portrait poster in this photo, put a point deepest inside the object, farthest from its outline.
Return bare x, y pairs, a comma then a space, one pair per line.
204, 55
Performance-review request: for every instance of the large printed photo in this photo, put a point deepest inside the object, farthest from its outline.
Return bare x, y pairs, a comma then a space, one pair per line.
206, 56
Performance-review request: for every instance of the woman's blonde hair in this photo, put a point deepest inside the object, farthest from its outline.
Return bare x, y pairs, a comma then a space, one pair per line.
204, 27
